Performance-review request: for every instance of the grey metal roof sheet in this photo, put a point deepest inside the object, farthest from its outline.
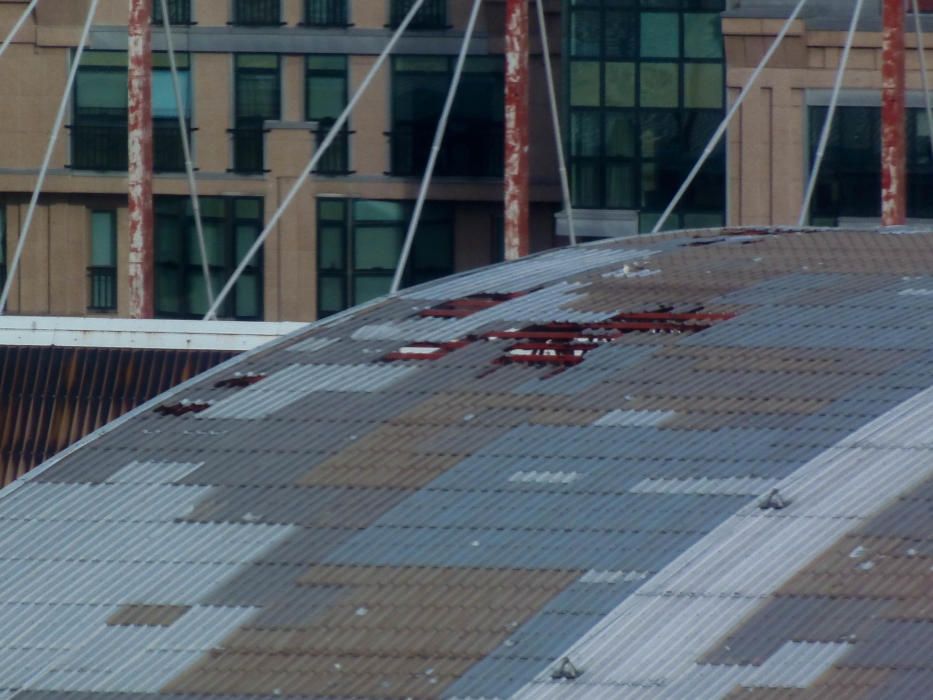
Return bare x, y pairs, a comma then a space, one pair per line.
355, 526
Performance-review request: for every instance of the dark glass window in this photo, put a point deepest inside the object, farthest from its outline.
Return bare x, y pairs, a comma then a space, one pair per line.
257, 12
432, 15
2, 246
257, 98
473, 141
179, 11
359, 243
849, 181
646, 88
102, 271
325, 99
231, 225
326, 13
99, 129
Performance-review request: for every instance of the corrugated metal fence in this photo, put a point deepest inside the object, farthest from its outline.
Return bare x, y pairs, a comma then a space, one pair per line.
52, 396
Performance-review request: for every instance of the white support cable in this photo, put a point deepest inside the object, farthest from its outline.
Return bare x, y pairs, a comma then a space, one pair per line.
186, 149
923, 72
16, 27
555, 119
435, 149
318, 153
827, 124
724, 124
53, 138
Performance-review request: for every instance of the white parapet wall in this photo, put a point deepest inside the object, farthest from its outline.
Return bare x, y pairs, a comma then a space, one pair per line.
163, 334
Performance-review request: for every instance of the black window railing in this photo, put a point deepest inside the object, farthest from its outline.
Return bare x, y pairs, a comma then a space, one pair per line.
2, 275
99, 146
168, 155
326, 13
248, 146
432, 15
336, 159
102, 288
257, 12
179, 11
470, 149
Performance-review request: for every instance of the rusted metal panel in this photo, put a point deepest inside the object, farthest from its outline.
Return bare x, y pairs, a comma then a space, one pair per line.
51, 397
140, 211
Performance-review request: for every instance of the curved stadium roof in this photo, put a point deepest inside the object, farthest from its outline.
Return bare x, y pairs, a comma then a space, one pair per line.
448, 493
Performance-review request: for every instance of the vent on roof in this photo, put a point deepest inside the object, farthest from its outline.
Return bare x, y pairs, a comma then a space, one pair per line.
240, 379
465, 306
424, 350
182, 407
566, 671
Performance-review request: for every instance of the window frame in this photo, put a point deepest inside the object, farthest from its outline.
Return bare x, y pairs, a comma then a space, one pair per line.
187, 266
102, 278
336, 161
252, 127
349, 273
432, 15
600, 164
185, 11
339, 18
236, 15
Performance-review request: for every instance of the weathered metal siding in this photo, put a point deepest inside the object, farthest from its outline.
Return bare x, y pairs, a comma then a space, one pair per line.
50, 397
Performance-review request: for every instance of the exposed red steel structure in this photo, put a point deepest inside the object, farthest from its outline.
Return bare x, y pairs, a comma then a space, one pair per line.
893, 159
139, 87
516, 232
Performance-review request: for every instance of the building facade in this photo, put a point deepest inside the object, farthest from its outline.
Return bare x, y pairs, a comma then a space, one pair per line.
647, 83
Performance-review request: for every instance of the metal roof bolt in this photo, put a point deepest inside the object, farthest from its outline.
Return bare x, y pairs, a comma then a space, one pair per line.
774, 501
566, 671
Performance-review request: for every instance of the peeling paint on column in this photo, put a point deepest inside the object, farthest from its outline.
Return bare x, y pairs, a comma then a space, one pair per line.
516, 130
141, 288
893, 114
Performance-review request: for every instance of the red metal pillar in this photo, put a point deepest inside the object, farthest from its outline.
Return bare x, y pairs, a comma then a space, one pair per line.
140, 161
893, 161
517, 242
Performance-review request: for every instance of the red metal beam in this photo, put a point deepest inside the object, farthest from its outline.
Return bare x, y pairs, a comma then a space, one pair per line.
517, 242
139, 86
893, 160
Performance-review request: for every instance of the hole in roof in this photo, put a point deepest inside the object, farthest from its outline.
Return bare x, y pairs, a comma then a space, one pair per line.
182, 407
468, 305
424, 350
240, 379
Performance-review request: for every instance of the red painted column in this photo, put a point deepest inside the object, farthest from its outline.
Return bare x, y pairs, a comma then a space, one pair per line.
893, 154
141, 269
517, 242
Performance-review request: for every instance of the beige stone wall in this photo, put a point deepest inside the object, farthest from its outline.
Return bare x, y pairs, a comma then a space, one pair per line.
52, 277
768, 158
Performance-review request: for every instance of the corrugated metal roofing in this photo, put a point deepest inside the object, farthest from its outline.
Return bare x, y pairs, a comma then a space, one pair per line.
342, 522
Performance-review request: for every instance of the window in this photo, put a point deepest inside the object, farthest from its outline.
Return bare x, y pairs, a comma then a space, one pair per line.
102, 272
473, 142
2, 246
646, 91
257, 99
179, 11
359, 243
231, 225
257, 13
849, 181
326, 13
432, 15
326, 96
99, 131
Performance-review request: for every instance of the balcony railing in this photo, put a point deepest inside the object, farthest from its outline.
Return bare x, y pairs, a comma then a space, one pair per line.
432, 15
179, 11
248, 143
257, 12
326, 13
335, 160
102, 288
99, 147
470, 149
168, 156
